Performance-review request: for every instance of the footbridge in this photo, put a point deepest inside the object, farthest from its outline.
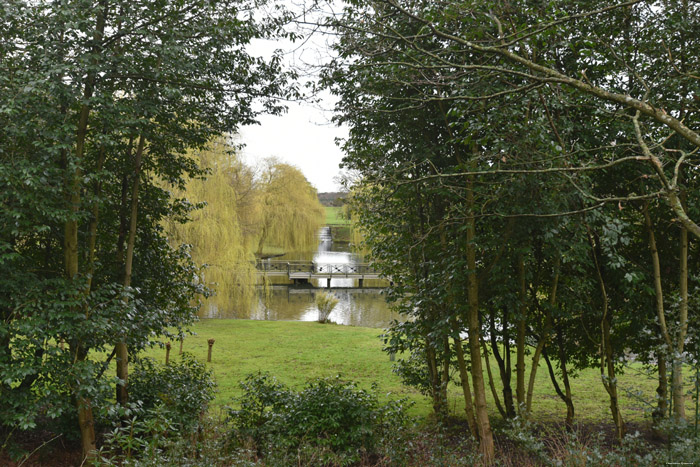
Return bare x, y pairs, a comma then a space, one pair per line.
303, 271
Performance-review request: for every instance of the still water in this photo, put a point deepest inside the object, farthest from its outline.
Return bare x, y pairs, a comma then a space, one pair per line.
356, 306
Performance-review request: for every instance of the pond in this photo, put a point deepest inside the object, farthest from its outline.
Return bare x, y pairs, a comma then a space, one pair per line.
364, 307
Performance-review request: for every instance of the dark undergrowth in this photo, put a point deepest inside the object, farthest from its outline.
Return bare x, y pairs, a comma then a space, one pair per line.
329, 422
424, 444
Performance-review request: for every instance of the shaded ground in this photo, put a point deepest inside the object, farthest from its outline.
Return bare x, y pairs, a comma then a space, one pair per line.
41, 448
430, 445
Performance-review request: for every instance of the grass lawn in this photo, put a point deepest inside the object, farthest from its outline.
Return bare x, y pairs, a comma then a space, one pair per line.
334, 215
297, 351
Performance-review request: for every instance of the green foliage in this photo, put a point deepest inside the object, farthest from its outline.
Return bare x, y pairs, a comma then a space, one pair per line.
325, 302
288, 212
99, 103
522, 175
137, 433
329, 421
216, 231
413, 371
181, 390
235, 214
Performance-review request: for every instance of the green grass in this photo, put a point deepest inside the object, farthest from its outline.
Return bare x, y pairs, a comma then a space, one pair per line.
293, 352
334, 215
296, 351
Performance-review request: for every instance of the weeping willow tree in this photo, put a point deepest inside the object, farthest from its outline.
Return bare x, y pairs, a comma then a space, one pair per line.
289, 213
214, 231
241, 211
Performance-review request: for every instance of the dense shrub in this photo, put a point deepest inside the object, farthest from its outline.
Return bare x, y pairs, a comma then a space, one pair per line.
413, 371
330, 421
181, 390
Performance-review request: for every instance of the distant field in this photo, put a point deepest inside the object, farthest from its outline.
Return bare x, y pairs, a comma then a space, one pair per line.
334, 215
296, 351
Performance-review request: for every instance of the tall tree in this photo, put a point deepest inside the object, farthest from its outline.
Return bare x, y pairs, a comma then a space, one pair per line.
97, 98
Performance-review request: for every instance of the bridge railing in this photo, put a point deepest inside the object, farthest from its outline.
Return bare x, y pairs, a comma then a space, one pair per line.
291, 267
344, 269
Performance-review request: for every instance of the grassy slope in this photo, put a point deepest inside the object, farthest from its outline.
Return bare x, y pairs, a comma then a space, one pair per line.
296, 351
333, 215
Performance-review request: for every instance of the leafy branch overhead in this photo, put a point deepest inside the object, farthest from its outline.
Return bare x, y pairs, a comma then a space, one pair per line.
614, 59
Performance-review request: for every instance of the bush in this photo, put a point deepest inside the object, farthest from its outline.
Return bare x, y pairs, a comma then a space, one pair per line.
325, 303
181, 389
145, 439
413, 371
330, 421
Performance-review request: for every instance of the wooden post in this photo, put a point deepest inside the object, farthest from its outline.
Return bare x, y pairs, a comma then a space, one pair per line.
211, 344
182, 339
167, 353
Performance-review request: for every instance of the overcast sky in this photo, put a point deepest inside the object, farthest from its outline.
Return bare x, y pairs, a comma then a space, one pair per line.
304, 136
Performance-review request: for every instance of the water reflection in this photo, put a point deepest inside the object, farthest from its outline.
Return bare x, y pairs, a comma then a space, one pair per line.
330, 252
356, 306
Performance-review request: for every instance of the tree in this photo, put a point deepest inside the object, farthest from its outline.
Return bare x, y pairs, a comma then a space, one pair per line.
233, 213
461, 115
98, 99
288, 213
213, 229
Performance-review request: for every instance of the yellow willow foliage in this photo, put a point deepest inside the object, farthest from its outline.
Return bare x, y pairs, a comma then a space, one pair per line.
289, 213
215, 233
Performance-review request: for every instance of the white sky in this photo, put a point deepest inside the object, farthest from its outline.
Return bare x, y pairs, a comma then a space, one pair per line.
304, 136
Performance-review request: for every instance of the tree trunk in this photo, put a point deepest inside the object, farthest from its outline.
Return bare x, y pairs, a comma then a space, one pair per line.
464, 378
676, 361
445, 379
482, 417
520, 338
439, 404
71, 263
92, 229
492, 384
504, 366
607, 362
544, 338
122, 352
611, 384
508, 389
70, 230
568, 400
533, 371
678, 396
661, 390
